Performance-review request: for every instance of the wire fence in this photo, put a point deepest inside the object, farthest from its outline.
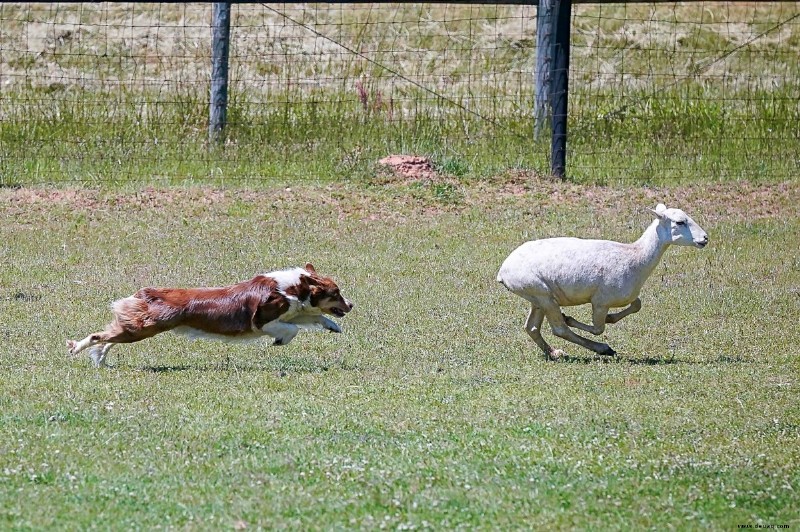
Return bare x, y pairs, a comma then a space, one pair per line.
101, 92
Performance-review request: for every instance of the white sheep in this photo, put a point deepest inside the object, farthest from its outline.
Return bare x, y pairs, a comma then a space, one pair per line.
560, 272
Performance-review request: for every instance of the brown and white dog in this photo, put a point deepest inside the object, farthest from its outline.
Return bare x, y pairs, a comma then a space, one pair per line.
276, 304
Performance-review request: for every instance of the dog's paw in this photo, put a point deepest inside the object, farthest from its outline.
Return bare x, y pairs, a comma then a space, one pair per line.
330, 325
98, 356
281, 341
71, 346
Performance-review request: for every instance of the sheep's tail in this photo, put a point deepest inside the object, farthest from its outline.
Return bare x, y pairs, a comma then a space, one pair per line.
500, 278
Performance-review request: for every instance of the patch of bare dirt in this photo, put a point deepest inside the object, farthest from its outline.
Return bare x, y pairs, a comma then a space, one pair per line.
410, 166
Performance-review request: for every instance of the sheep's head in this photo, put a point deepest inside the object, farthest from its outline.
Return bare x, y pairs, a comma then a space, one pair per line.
683, 230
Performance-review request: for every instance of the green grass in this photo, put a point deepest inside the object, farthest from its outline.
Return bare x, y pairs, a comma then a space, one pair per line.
433, 409
673, 136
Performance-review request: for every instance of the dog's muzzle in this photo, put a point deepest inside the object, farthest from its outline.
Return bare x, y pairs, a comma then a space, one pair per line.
339, 312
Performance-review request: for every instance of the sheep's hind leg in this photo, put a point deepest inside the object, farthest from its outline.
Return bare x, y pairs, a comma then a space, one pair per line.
562, 330
633, 308
599, 315
533, 326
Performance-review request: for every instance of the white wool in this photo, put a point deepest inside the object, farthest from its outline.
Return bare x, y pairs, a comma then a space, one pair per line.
556, 272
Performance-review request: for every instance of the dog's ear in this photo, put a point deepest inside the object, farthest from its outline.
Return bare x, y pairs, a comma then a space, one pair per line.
310, 268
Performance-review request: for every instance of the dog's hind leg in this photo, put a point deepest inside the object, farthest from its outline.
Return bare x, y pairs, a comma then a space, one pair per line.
101, 342
98, 353
76, 347
113, 334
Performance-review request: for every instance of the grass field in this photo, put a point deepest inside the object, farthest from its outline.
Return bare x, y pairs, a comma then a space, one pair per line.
433, 410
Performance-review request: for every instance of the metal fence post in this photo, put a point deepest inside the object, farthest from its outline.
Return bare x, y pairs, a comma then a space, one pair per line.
560, 82
544, 66
220, 48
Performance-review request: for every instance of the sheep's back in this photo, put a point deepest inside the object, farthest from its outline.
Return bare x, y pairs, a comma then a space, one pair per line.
570, 269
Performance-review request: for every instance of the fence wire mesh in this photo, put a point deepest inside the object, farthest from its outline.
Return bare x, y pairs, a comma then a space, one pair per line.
658, 92
687, 90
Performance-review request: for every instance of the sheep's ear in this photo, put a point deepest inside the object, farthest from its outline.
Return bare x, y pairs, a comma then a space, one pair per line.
660, 210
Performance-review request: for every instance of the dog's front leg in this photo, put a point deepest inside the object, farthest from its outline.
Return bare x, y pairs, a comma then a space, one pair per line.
316, 322
329, 325
280, 330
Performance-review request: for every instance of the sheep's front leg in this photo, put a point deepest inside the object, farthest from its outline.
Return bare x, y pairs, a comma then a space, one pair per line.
633, 308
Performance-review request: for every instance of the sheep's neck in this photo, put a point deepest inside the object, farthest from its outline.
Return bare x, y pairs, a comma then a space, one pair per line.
651, 246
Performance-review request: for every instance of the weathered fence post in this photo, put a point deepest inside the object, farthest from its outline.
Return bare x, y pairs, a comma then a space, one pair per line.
559, 86
544, 66
220, 48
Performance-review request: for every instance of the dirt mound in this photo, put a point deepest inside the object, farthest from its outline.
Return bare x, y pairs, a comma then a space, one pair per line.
410, 166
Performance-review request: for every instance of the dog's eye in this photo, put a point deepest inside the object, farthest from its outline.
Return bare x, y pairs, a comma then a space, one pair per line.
682, 222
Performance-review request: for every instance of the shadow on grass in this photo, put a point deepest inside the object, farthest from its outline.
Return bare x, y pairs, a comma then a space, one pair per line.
642, 361
655, 361
215, 368
649, 361
165, 369
282, 370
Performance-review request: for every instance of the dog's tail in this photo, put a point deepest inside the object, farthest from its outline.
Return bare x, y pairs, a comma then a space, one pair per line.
131, 313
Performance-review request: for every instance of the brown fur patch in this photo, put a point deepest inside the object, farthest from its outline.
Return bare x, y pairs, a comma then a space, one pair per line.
228, 310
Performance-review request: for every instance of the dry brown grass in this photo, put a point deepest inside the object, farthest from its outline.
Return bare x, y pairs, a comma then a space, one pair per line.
290, 45
396, 199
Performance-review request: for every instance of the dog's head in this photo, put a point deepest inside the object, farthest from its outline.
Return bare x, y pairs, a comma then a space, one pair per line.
324, 294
